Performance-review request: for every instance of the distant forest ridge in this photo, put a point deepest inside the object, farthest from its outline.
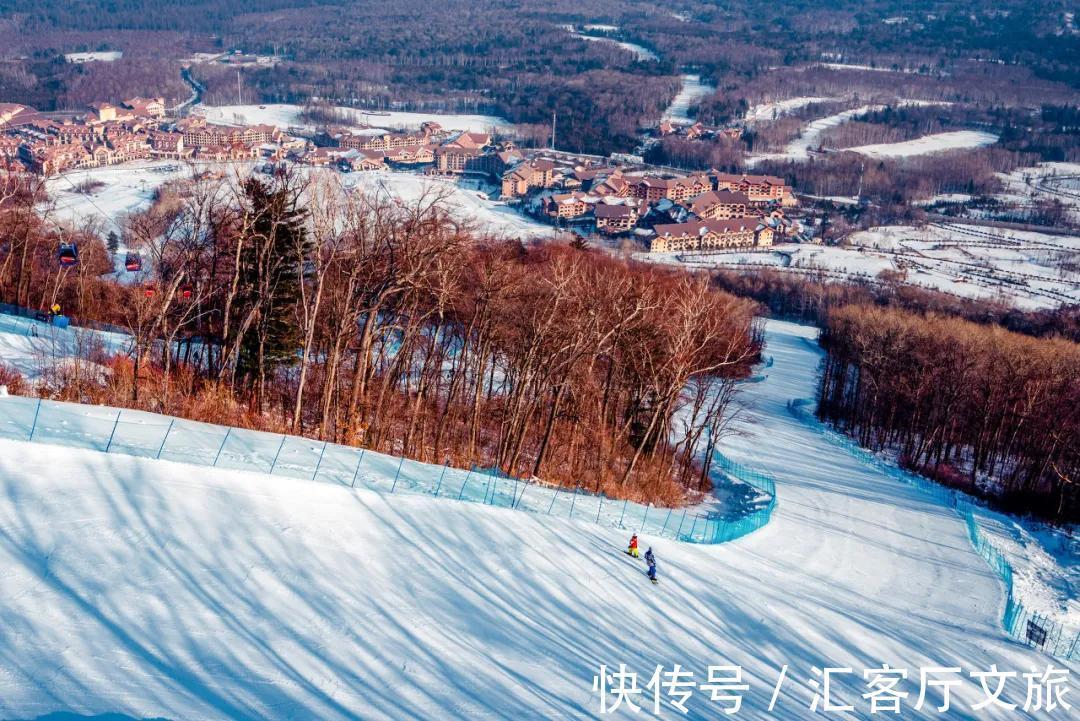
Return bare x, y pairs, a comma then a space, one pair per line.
521, 61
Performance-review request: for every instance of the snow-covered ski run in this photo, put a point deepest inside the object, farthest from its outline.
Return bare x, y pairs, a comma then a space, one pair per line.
157, 589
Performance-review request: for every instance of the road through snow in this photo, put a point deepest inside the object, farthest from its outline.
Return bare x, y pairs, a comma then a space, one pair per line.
153, 588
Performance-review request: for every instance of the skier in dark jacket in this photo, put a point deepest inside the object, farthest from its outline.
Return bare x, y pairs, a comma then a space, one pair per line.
651, 560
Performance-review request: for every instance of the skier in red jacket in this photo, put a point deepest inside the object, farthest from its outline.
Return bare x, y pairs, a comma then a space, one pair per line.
633, 550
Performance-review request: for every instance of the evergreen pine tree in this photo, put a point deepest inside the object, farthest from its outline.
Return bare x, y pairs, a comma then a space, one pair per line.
273, 257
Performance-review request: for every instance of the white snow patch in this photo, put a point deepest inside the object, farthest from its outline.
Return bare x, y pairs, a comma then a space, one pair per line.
288, 116
778, 108
105, 56
640, 51
465, 205
928, 144
124, 189
692, 90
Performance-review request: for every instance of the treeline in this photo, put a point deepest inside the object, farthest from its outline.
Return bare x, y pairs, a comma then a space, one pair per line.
292, 305
900, 181
811, 298
976, 407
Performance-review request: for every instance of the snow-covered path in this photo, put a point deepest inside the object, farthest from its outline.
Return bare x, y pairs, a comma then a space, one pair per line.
159, 589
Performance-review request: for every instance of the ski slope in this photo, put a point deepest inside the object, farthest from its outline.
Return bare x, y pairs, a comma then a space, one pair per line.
152, 588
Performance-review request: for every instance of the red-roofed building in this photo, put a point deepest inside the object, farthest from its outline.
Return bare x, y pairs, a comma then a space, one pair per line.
758, 188
711, 235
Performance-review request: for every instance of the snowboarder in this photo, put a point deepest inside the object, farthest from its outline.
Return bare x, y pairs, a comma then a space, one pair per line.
651, 560
633, 550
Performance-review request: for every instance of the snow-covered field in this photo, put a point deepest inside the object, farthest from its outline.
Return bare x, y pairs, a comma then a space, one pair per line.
693, 89
124, 189
104, 56
31, 347
130, 188
1054, 182
799, 148
140, 587
488, 216
288, 116
874, 68
773, 110
981, 262
1046, 566
810, 138
1023, 268
928, 144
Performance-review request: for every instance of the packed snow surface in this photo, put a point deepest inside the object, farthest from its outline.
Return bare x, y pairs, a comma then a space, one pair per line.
117, 191
150, 589
692, 90
640, 51
104, 196
288, 116
810, 138
104, 56
777, 108
470, 206
1045, 182
1027, 269
928, 144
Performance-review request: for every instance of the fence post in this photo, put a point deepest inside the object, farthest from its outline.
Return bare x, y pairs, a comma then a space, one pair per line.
524, 487
281, 445
462, 491
111, 435
666, 521
623, 514
553, 499
161, 448
645, 518
223, 442
357, 471
319, 463
600, 508
680, 525
439, 484
693, 527
574, 500
397, 474
33, 426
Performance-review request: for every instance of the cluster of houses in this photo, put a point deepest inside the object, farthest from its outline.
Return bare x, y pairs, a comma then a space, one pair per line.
703, 211
706, 211
443, 152
136, 129
697, 131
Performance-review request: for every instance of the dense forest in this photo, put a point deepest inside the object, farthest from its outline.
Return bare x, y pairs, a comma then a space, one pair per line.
974, 406
294, 306
520, 60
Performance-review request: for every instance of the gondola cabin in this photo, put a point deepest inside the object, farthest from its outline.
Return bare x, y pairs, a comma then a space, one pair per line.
133, 263
68, 255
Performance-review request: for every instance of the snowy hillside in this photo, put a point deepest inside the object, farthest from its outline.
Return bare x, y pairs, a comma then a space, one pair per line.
152, 588
1031, 270
122, 190
928, 144
289, 116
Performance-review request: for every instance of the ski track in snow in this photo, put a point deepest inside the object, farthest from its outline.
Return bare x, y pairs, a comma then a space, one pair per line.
159, 589
928, 144
690, 92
